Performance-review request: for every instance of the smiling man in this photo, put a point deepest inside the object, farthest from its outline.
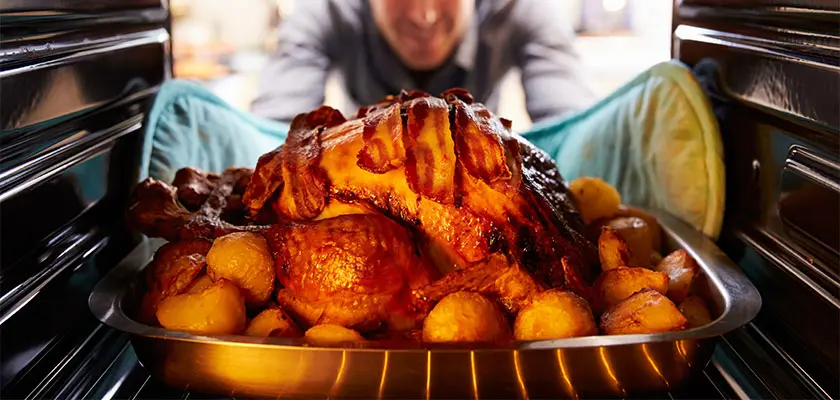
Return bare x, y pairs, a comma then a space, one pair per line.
379, 47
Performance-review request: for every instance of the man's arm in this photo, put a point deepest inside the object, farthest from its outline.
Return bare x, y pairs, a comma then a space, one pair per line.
552, 73
294, 79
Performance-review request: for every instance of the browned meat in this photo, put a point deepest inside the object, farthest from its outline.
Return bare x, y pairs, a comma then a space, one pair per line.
356, 271
444, 167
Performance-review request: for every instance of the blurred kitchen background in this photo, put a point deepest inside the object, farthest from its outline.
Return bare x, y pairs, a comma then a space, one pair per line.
225, 44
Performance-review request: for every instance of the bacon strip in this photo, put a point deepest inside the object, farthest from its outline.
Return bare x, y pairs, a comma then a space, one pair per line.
383, 149
478, 142
430, 151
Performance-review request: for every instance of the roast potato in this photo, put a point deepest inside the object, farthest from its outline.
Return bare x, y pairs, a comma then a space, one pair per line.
273, 322
331, 335
169, 276
681, 269
695, 310
465, 317
654, 228
173, 251
554, 314
617, 284
647, 311
200, 284
612, 249
594, 198
244, 259
636, 234
215, 309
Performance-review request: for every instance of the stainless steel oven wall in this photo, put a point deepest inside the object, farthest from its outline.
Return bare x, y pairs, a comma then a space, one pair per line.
74, 80
773, 70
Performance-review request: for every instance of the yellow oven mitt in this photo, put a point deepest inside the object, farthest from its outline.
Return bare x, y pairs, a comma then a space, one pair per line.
655, 139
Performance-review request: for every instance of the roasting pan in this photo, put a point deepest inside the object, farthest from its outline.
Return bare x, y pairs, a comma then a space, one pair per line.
580, 367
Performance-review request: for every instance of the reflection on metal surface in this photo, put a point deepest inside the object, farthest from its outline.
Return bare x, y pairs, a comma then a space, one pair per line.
731, 381
602, 353
384, 374
474, 375
428, 375
523, 391
680, 346
337, 384
653, 365
790, 267
51, 91
512, 371
564, 374
767, 73
810, 182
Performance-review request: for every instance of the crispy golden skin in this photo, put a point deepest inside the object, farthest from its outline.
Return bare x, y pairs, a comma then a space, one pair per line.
354, 270
465, 317
495, 278
216, 309
555, 314
594, 198
612, 249
617, 284
448, 169
647, 311
328, 335
244, 259
273, 322
696, 311
681, 269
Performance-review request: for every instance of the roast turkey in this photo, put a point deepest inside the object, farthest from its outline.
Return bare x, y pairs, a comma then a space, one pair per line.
372, 220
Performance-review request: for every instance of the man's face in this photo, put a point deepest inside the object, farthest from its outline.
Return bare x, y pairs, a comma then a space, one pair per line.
423, 33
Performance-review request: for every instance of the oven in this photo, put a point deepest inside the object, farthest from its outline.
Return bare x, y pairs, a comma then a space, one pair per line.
77, 76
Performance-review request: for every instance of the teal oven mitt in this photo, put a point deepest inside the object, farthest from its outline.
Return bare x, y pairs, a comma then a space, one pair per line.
188, 125
655, 139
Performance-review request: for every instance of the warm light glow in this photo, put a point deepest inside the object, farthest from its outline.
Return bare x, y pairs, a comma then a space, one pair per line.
566, 378
384, 374
608, 368
474, 375
428, 375
337, 384
613, 5
522, 390
681, 351
653, 364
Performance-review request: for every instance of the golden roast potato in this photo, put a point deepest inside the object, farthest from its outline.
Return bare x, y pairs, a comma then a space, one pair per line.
636, 234
647, 311
244, 259
554, 314
168, 276
695, 310
206, 308
594, 198
273, 322
654, 228
331, 335
617, 284
612, 249
465, 317
681, 269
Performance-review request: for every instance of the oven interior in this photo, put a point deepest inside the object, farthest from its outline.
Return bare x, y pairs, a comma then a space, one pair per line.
76, 77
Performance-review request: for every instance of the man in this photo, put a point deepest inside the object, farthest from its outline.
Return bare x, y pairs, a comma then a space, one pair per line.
379, 47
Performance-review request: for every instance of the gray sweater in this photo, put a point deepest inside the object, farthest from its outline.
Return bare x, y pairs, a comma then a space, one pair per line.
325, 35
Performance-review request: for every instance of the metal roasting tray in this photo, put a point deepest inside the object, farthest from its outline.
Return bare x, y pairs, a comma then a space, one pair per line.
580, 367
